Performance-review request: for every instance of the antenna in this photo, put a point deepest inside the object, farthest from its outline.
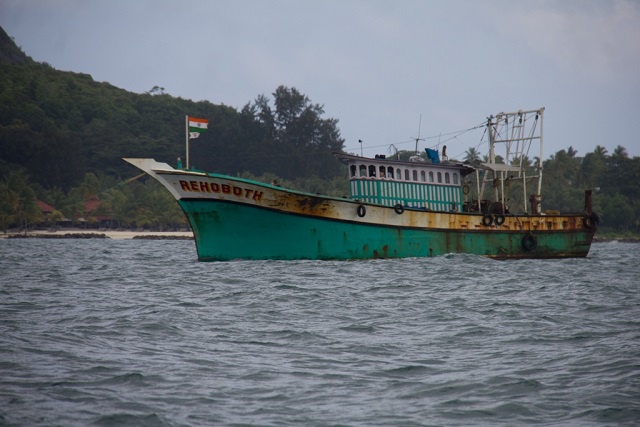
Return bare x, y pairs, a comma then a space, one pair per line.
418, 137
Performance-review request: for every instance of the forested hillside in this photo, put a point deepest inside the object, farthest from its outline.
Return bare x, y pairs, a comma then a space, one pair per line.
62, 137
60, 125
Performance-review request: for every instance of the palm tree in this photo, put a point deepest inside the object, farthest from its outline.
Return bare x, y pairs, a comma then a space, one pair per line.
600, 152
472, 156
524, 162
618, 157
592, 168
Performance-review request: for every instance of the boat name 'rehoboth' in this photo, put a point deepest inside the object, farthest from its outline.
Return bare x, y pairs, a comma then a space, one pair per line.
206, 187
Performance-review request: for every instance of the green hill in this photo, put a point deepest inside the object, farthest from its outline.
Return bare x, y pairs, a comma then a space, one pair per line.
58, 125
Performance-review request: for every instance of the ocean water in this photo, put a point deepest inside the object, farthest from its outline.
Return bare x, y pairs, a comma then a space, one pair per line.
138, 333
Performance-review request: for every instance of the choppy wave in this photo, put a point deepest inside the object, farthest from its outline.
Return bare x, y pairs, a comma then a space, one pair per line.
132, 332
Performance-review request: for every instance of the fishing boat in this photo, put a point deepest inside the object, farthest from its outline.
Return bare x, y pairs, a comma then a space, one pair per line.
425, 206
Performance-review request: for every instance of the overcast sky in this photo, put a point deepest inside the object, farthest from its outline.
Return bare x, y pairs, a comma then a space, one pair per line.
383, 68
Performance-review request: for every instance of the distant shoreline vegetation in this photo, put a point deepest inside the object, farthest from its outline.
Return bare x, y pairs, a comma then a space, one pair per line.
58, 236
79, 234
92, 236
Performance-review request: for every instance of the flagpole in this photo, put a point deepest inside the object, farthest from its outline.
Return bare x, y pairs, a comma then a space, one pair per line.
186, 131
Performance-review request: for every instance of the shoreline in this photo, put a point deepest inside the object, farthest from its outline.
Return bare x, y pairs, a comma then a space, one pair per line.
100, 234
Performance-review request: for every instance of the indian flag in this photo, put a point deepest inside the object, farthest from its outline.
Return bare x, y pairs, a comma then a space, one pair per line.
197, 125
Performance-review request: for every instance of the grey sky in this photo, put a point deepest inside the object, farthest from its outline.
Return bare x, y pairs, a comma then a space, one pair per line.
377, 66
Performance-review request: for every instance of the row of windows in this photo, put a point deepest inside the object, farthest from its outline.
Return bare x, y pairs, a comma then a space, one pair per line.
414, 195
409, 175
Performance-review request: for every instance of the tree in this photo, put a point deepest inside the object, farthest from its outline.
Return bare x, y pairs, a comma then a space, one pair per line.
562, 167
300, 140
156, 90
592, 168
619, 154
8, 206
472, 156
617, 212
19, 202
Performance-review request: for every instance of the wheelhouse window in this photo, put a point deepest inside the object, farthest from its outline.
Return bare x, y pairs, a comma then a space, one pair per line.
430, 176
390, 172
353, 170
383, 173
406, 174
415, 175
399, 173
423, 176
447, 178
455, 178
440, 177
363, 171
372, 171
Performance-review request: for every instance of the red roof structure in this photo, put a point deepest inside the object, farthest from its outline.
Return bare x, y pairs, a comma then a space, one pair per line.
91, 205
45, 208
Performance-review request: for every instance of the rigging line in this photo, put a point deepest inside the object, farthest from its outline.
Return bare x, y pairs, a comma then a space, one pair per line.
383, 145
121, 183
449, 139
134, 178
263, 156
479, 143
456, 156
457, 133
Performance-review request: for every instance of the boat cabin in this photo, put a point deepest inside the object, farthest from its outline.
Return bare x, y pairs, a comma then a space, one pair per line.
417, 184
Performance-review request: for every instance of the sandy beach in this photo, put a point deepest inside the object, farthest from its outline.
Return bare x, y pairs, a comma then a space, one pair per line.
111, 234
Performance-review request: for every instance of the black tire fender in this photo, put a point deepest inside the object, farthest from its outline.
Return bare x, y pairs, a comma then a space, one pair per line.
588, 222
361, 211
499, 219
399, 209
529, 242
487, 220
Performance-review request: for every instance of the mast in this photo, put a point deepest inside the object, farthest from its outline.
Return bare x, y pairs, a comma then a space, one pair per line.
186, 131
493, 130
517, 131
541, 114
418, 137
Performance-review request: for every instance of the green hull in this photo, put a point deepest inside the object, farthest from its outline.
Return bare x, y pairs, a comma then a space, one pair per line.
225, 231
